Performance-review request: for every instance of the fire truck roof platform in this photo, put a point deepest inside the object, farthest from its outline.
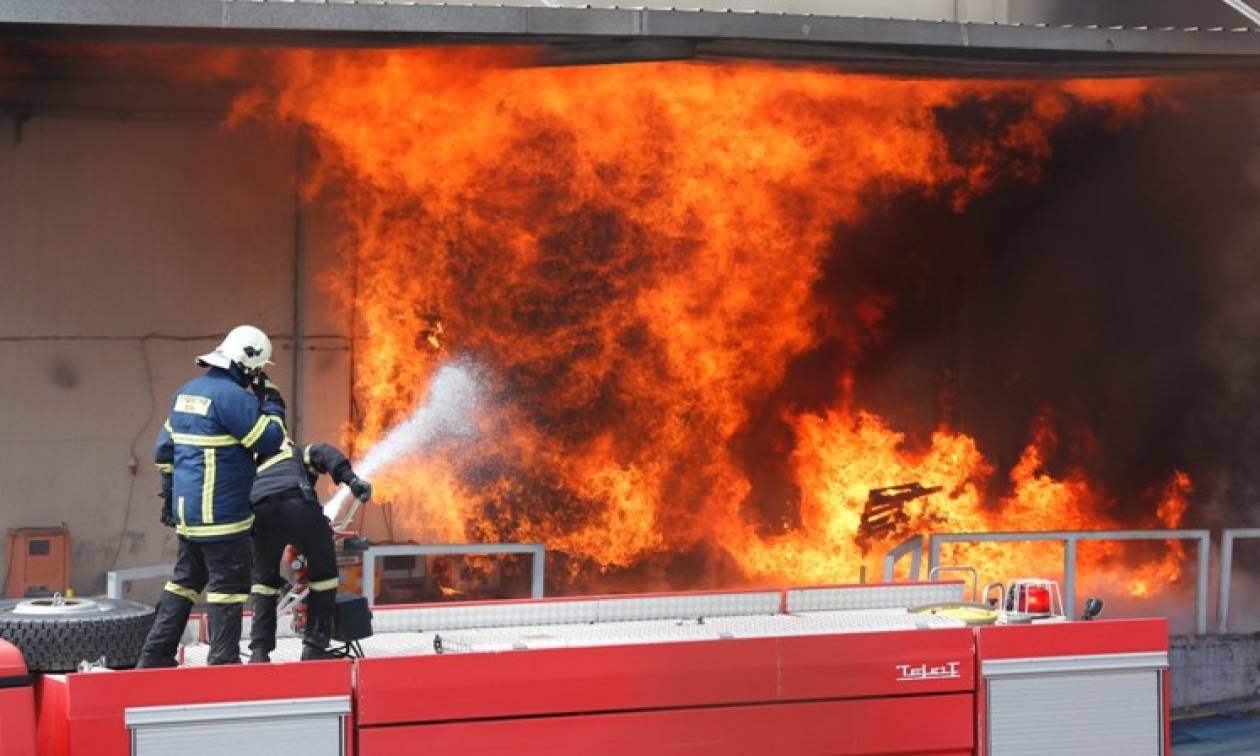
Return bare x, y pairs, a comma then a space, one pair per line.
841, 670
586, 34
630, 620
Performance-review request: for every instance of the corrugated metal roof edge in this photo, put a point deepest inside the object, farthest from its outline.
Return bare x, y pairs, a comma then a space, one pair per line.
589, 22
754, 12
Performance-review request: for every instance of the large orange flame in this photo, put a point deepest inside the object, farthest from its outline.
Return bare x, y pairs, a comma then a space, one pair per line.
633, 252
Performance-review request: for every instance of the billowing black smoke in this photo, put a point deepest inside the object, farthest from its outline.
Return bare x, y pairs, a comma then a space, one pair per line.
1122, 291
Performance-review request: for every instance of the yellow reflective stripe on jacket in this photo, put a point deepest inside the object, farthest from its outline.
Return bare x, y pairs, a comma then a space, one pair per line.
207, 488
210, 531
165, 467
325, 585
227, 598
167, 426
276, 459
194, 439
306, 457
181, 591
179, 510
264, 590
256, 432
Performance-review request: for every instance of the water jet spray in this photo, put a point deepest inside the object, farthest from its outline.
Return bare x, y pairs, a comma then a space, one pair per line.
447, 411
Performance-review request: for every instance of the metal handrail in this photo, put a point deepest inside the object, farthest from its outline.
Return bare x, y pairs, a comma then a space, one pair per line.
1228, 536
912, 546
1070, 539
975, 576
116, 580
537, 551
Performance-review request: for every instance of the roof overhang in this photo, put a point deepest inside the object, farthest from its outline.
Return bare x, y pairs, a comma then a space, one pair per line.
599, 35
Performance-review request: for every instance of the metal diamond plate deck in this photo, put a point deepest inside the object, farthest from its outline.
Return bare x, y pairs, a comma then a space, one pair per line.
613, 633
871, 596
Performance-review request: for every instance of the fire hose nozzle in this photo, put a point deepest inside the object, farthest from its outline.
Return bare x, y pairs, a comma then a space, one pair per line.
356, 543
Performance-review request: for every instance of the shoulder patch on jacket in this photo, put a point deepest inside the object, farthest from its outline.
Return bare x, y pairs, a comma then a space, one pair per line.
192, 404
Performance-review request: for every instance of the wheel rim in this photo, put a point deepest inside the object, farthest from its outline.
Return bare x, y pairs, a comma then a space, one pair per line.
57, 604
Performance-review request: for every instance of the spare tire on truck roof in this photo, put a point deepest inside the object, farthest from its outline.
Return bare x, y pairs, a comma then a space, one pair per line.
55, 634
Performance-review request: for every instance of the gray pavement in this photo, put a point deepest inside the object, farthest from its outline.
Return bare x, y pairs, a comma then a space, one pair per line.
1221, 735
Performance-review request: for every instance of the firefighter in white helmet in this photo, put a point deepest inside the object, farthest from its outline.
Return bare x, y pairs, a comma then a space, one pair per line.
205, 452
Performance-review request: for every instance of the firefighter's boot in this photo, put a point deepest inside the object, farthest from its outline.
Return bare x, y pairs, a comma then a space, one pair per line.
262, 628
225, 633
168, 626
319, 625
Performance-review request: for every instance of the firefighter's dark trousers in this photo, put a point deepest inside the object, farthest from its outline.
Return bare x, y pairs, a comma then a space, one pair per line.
288, 517
220, 567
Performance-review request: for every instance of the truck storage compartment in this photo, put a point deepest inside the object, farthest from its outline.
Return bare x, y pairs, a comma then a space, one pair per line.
1099, 687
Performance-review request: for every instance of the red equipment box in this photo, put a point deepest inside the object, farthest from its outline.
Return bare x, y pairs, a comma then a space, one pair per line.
38, 561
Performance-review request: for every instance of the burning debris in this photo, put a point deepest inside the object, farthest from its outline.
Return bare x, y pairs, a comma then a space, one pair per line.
884, 516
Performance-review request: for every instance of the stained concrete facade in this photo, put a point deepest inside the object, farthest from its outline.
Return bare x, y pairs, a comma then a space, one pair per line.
127, 247
1208, 669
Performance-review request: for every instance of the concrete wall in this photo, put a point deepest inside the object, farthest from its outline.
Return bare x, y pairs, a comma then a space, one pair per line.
127, 248
1209, 669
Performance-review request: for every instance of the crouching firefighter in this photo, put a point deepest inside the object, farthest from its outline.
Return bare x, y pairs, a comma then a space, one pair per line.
287, 511
205, 452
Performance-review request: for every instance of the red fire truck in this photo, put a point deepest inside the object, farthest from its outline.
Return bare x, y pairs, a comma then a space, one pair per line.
866, 669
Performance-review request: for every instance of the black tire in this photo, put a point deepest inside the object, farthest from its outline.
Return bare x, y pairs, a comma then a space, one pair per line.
57, 642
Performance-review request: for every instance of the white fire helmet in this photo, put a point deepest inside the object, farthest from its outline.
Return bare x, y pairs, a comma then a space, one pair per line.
245, 345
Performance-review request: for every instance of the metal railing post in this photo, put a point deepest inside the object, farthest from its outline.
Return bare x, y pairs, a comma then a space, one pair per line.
369, 575
538, 564
1201, 585
890, 567
934, 552
914, 546
1069, 577
1227, 570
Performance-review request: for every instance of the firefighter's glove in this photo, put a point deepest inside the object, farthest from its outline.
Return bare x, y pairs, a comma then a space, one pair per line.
168, 514
273, 406
270, 400
259, 383
361, 489
167, 517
